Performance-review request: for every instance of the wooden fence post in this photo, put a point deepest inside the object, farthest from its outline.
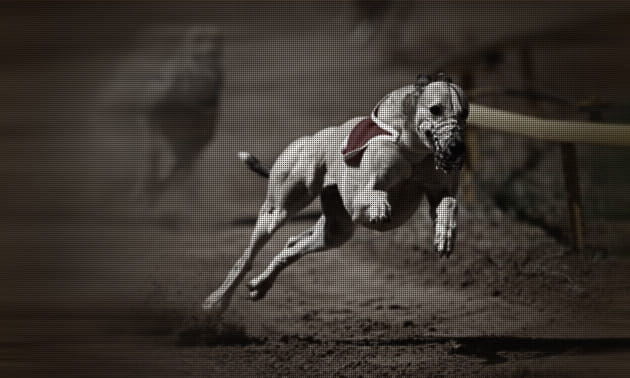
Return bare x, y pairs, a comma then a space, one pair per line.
472, 148
572, 184
471, 165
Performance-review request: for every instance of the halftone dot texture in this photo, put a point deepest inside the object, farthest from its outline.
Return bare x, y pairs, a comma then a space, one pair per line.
127, 205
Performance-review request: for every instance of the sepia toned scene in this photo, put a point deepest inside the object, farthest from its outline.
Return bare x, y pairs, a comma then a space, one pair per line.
315, 188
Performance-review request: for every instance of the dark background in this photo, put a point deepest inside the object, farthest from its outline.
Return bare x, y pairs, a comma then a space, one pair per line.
89, 290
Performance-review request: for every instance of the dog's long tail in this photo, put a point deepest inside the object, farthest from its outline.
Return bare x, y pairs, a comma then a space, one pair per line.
254, 164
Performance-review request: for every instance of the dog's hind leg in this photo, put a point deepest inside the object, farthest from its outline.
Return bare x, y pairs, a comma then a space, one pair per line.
269, 220
333, 228
294, 182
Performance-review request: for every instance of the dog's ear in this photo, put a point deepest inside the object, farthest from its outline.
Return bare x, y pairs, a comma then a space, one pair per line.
422, 81
443, 77
408, 105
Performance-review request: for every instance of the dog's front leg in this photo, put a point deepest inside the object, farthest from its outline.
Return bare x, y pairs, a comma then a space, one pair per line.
382, 168
444, 214
372, 205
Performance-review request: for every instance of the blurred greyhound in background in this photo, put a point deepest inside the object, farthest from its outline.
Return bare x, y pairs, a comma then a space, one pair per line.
178, 113
370, 171
157, 112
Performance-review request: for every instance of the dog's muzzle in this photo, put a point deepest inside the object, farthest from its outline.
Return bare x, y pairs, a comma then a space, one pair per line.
451, 157
448, 145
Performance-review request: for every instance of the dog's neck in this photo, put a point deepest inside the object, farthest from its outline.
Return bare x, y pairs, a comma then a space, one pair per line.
389, 109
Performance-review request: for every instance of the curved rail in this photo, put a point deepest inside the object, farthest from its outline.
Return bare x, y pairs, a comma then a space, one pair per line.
613, 134
567, 133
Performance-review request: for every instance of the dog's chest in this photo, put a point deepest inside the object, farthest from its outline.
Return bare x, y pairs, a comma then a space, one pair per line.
402, 194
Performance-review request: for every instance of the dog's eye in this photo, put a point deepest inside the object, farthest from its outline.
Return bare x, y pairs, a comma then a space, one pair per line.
436, 110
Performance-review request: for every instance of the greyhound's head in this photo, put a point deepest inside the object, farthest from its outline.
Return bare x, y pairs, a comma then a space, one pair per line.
200, 68
203, 44
437, 112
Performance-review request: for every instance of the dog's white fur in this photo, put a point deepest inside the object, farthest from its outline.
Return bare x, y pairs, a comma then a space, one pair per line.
381, 194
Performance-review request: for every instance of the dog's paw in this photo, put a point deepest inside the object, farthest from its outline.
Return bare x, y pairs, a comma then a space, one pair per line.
258, 289
215, 304
444, 240
379, 211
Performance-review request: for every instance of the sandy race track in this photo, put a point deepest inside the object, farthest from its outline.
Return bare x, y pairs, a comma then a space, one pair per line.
511, 301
